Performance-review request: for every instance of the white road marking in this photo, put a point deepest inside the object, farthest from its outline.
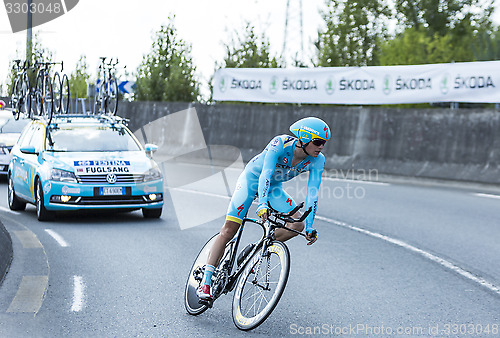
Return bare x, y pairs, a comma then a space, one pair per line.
488, 195
78, 294
443, 262
355, 181
209, 194
57, 237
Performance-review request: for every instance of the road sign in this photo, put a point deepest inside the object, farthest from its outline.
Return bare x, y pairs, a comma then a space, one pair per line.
126, 86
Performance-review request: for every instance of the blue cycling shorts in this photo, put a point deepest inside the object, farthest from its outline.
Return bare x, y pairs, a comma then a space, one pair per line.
245, 192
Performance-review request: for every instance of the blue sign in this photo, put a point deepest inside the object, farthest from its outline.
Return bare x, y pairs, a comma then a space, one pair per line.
125, 87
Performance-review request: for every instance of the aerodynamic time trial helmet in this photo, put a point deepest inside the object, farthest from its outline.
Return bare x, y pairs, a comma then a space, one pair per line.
310, 128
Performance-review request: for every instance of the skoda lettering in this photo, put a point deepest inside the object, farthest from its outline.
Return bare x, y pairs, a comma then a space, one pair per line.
246, 84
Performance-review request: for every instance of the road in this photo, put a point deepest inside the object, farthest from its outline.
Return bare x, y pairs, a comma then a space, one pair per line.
391, 259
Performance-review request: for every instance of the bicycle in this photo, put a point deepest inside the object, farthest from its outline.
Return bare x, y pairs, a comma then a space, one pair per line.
107, 97
20, 99
61, 92
259, 276
43, 94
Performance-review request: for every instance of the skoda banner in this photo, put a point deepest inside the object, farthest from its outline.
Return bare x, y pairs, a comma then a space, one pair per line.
448, 82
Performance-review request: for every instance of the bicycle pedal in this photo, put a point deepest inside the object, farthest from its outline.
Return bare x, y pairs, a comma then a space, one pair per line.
206, 302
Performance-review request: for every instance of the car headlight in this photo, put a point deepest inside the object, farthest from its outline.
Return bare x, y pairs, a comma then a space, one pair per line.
62, 176
152, 174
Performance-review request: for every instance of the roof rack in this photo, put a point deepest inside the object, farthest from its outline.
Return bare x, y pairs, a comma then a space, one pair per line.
103, 118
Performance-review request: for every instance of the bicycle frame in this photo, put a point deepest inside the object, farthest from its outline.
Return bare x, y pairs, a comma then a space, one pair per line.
274, 222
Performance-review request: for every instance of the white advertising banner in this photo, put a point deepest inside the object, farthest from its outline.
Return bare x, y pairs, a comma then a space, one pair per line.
448, 82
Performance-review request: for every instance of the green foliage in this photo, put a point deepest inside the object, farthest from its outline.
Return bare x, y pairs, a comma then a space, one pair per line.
354, 31
79, 78
249, 51
167, 73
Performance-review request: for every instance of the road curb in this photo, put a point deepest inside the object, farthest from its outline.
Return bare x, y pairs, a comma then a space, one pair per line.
5, 251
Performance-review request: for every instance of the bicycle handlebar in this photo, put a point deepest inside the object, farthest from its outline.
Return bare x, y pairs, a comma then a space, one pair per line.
288, 216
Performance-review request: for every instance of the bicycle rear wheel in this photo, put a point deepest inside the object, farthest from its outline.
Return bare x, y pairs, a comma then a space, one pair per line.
57, 86
191, 300
259, 289
191, 303
15, 98
65, 94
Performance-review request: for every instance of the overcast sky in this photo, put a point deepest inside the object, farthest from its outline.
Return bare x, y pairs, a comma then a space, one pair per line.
123, 29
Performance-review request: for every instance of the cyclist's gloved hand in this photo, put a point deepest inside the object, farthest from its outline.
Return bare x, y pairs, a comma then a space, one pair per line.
311, 235
262, 211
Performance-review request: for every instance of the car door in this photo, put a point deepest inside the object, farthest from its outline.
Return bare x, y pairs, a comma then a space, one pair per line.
17, 167
37, 142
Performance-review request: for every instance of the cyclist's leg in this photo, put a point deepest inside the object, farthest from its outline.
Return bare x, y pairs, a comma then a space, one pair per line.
283, 202
241, 201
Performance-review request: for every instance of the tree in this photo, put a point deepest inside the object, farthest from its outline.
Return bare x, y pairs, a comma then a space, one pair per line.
79, 78
249, 51
440, 17
167, 73
354, 32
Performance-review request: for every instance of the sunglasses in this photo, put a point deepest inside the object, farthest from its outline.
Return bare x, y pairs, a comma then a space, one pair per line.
318, 142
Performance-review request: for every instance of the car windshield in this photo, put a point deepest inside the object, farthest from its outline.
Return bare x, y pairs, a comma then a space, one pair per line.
91, 138
8, 125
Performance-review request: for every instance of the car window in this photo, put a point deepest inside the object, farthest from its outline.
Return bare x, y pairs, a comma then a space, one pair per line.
12, 125
25, 138
37, 140
92, 138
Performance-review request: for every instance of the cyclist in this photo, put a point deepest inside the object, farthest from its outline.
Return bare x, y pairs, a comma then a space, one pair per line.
283, 158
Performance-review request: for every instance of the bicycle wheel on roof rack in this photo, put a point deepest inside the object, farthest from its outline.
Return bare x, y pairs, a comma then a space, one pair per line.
15, 98
56, 82
112, 100
65, 95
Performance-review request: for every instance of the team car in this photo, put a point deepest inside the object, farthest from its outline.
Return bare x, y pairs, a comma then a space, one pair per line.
79, 162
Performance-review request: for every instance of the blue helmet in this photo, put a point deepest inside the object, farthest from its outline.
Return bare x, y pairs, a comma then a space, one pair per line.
310, 128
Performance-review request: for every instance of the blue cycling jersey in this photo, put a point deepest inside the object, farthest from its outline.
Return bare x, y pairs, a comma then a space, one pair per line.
265, 173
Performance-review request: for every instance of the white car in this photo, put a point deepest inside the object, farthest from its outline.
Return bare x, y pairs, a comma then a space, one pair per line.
10, 129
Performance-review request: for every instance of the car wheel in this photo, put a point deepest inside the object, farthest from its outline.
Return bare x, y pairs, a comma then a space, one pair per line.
42, 213
14, 202
151, 213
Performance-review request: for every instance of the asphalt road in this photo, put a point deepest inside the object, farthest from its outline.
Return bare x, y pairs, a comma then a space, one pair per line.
391, 259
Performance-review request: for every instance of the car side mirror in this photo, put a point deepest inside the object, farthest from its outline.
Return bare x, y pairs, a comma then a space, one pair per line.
29, 150
150, 149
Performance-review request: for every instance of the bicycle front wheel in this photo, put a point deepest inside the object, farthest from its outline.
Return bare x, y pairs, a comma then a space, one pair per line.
260, 286
112, 100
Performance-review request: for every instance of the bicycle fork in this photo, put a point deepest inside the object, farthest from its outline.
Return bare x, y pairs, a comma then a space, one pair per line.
265, 253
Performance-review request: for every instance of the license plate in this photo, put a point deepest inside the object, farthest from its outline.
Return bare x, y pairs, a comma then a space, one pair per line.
106, 191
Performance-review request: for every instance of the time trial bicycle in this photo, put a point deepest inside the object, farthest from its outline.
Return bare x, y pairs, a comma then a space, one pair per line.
20, 99
61, 92
258, 274
107, 96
